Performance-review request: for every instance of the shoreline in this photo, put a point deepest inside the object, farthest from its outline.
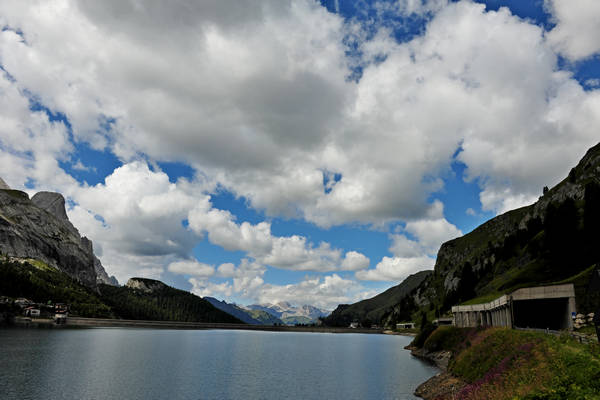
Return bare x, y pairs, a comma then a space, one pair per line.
78, 322
442, 384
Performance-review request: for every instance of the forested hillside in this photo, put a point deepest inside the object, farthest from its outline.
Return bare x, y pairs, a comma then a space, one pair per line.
157, 301
371, 311
40, 283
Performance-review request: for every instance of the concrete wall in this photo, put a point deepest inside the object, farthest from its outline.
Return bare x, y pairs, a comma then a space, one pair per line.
545, 305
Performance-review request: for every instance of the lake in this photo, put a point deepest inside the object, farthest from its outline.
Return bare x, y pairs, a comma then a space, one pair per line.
118, 363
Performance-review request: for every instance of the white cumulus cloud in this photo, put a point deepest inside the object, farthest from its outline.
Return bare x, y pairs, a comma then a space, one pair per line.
255, 97
192, 267
577, 27
417, 254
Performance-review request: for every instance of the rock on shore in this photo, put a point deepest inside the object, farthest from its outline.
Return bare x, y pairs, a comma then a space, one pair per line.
440, 387
443, 385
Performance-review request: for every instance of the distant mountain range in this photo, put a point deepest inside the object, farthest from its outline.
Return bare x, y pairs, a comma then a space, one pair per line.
282, 313
254, 317
290, 314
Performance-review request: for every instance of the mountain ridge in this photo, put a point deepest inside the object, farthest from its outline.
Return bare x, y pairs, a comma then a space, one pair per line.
284, 310
371, 311
254, 317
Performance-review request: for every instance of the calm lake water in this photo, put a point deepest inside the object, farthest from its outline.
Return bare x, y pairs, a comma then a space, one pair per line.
132, 364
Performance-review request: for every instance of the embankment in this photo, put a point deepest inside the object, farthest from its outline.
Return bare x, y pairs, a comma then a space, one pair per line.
500, 363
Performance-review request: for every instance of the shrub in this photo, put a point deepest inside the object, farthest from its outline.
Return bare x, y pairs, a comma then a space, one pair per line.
422, 336
506, 364
445, 338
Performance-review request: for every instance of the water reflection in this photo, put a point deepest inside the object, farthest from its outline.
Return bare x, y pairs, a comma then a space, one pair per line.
173, 364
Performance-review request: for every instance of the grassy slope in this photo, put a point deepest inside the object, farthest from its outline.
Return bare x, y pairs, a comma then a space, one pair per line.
500, 363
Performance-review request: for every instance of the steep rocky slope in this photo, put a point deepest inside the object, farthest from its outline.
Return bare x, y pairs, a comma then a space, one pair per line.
38, 228
373, 310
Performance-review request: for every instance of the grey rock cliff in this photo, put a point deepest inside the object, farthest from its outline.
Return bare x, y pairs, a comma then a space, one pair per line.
145, 285
102, 276
39, 229
52, 202
3, 185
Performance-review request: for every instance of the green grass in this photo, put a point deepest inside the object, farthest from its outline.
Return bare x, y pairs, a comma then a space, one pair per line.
39, 265
499, 363
580, 280
447, 338
587, 330
582, 277
486, 298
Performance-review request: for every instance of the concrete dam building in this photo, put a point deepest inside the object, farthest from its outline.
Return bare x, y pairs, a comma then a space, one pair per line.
545, 307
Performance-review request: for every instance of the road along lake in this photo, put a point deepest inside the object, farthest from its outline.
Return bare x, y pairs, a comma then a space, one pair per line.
121, 363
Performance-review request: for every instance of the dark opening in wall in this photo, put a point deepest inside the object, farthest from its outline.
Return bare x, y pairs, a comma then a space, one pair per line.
542, 313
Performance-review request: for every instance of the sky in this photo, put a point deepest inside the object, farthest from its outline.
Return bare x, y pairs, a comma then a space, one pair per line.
302, 151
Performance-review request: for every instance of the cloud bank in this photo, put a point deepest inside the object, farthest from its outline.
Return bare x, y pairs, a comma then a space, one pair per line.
260, 98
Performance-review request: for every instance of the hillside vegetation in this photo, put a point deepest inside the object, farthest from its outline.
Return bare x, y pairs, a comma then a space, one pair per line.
500, 363
372, 311
159, 302
38, 282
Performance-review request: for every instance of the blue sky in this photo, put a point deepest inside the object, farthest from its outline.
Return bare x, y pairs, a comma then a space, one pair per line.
316, 153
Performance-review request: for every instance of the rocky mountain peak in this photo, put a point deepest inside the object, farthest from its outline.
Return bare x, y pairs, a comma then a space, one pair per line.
40, 229
145, 285
52, 202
